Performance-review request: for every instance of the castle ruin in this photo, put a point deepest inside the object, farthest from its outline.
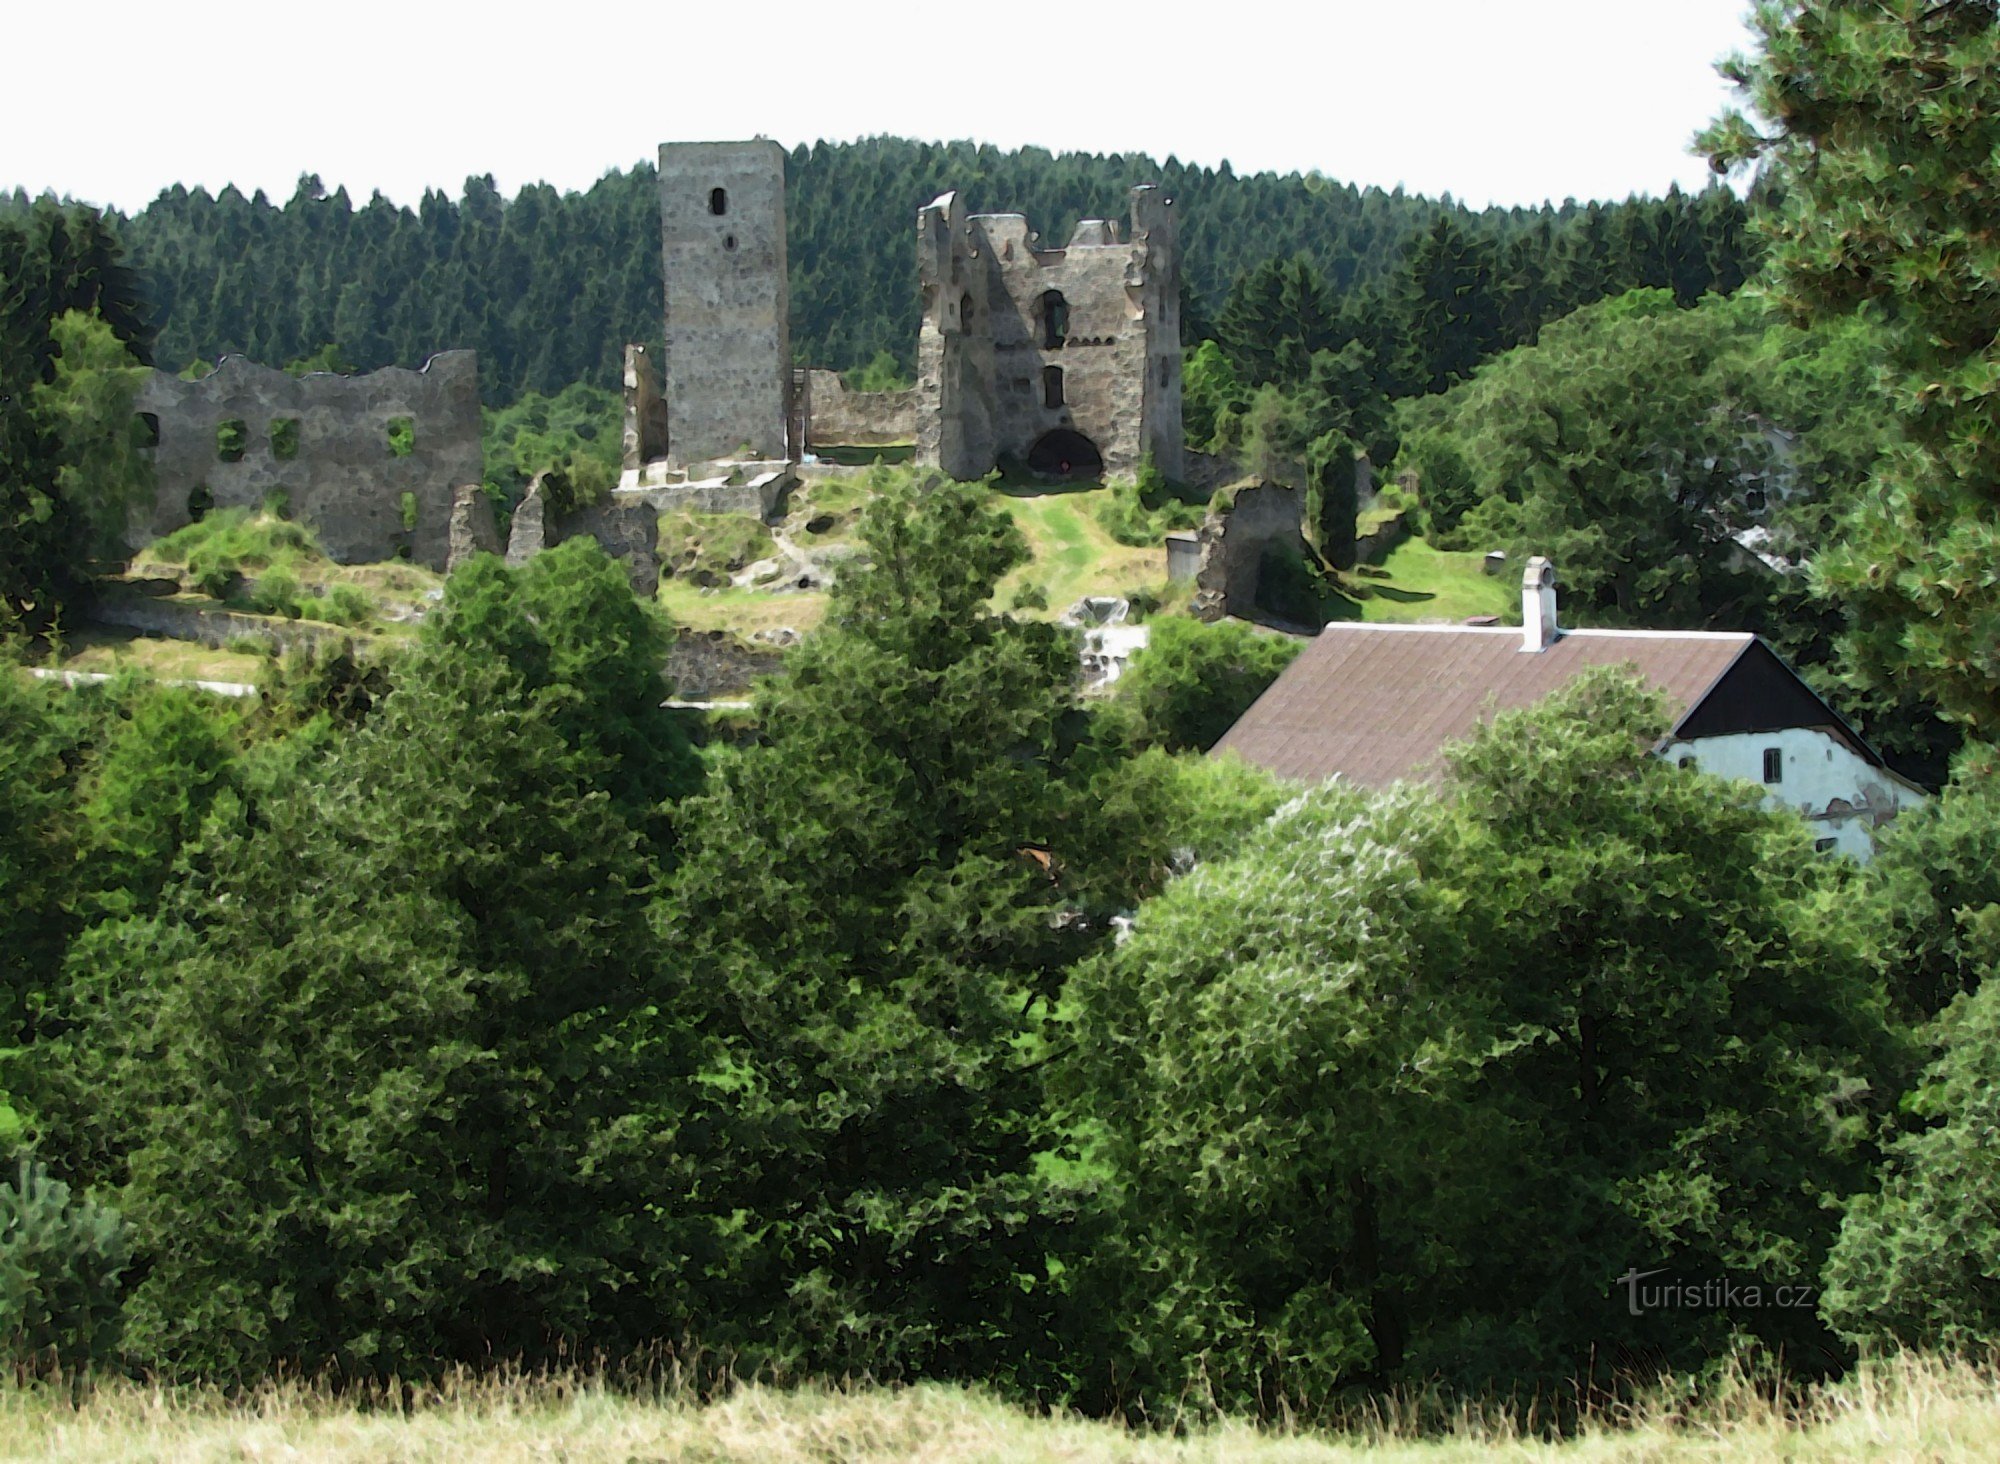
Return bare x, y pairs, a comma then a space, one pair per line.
1067, 360
370, 462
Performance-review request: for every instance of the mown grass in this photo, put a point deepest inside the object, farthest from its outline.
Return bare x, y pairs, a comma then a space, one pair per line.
1072, 554
1910, 1408
740, 609
1419, 583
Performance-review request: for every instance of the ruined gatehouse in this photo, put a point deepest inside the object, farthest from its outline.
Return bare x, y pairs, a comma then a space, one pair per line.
1065, 359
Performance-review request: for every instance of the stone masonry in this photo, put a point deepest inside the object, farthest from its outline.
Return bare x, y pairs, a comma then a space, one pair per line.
328, 443
726, 371
1066, 359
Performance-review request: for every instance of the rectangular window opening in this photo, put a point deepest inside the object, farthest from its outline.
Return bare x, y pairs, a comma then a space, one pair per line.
284, 438
1774, 765
232, 438
402, 436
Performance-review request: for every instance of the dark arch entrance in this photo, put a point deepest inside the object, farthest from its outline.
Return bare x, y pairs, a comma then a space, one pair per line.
1065, 454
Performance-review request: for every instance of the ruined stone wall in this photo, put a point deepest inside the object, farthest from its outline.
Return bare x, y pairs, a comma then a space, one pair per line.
645, 411
1232, 543
843, 418
343, 477
627, 528
1001, 364
726, 371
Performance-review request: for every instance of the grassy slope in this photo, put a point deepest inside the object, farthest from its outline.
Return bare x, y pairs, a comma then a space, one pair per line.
1910, 1410
1073, 555
1430, 584
101, 648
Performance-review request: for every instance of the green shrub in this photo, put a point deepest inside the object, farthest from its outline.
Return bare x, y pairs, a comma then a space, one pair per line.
1029, 596
62, 1262
276, 593
1192, 681
1139, 512
342, 605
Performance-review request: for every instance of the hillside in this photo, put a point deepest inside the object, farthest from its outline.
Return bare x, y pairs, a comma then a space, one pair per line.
548, 286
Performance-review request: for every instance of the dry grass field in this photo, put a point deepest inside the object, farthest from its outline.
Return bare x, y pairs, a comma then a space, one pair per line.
1908, 1410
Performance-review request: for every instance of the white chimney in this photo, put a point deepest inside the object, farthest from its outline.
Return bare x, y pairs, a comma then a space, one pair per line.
1538, 606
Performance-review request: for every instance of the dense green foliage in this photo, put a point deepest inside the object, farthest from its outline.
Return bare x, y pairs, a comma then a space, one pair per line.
1918, 1262
1192, 681
1884, 119
1401, 1090
61, 1260
453, 1009
886, 947
549, 287
70, 327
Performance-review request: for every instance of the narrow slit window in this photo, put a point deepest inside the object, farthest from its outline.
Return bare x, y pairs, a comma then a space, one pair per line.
1052, 386
1055, 320
718, 201
1774, 765
965, 311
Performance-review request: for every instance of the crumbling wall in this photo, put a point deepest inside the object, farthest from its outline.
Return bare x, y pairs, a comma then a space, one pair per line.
627, 528
1020, 341
726, 370
645, 412
473, 528
703, 664
325, 442
1233, 540
839, 417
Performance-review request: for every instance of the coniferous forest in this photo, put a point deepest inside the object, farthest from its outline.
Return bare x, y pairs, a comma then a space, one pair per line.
548, 287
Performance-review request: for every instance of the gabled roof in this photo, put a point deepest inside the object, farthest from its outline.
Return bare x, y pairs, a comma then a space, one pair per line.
1378, 703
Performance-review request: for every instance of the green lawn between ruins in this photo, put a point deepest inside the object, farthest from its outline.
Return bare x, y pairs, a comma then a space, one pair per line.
264, 566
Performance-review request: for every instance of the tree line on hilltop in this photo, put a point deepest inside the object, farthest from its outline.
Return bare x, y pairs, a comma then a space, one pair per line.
548, 287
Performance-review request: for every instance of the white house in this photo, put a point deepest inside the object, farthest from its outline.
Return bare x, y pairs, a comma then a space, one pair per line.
1377, 704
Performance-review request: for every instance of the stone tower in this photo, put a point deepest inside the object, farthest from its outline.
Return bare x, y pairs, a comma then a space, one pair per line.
726, 371
1068, 359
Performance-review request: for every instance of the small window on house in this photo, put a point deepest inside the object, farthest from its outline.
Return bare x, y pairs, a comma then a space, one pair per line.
1753, 499
728, 241
1052, 388
965, 311
231, 438
718, 202
1166, 372
149, 429
200, 501
284, 438
1055, 320
1825, 846
1774, 765
402, 433
1686, 762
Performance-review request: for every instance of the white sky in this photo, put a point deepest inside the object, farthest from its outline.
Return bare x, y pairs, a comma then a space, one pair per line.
1502, 101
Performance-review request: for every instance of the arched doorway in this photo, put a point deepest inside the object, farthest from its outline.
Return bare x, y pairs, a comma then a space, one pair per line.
1064, 453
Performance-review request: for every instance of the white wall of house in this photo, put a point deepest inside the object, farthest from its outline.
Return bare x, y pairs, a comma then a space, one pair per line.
1843, 796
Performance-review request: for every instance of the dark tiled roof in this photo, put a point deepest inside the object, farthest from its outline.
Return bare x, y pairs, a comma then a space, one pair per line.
1376, 703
